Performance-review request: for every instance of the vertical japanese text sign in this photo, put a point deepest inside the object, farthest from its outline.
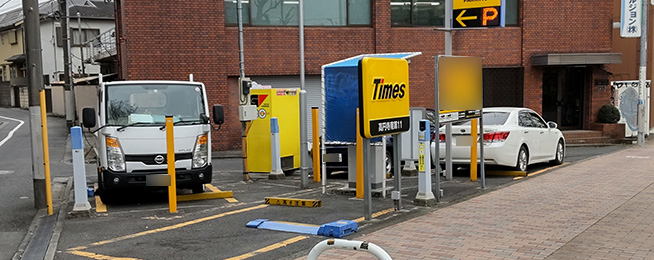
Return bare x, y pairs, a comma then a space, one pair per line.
631, 14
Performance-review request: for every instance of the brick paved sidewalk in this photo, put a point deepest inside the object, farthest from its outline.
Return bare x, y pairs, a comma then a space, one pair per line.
597, 209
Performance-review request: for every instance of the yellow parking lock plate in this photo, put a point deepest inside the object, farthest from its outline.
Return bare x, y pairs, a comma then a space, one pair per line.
206, 196
309, 203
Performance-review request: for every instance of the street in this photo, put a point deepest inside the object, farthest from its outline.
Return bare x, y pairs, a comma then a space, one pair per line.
139, 225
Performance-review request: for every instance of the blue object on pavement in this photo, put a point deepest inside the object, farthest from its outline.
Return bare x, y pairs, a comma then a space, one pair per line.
338, 229
255, 223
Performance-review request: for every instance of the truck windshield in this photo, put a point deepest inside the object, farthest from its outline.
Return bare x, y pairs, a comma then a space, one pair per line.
142, 105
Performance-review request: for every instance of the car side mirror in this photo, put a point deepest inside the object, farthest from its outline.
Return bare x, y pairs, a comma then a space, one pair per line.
218, 114
88, 117
552, 125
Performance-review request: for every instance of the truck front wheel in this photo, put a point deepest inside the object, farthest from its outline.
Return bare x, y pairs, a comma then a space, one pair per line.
198, 188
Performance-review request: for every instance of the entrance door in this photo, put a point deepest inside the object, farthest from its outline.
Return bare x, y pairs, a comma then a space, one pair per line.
563, 97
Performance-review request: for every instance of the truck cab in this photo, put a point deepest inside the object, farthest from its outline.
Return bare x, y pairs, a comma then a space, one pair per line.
130, 133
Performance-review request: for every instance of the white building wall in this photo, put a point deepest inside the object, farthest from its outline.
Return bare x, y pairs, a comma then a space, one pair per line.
53, 62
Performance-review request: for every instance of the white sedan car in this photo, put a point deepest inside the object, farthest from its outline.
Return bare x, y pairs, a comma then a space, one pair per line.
514, 137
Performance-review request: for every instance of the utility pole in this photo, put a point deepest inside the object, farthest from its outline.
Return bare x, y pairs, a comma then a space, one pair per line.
35, 83
69, 95
642, 76
304, 181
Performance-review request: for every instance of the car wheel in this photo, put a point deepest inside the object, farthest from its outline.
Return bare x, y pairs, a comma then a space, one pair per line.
523, 159
198, 188
388, 162
560, 153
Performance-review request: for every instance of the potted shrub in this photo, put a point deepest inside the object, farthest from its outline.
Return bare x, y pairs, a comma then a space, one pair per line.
608, 118
608, 114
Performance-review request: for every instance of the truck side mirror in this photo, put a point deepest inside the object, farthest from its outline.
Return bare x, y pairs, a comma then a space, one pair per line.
218, 114
88, 117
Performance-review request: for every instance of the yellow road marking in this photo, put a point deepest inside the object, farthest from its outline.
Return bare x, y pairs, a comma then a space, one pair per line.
376, 214
180, 225
269, 248
99, 206
547, 169
215, 189
99, 256
507, 173
293, 202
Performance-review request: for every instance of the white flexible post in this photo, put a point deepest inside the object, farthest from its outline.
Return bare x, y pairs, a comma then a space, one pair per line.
347, 244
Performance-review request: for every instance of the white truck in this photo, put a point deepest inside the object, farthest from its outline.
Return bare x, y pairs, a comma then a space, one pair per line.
130, 133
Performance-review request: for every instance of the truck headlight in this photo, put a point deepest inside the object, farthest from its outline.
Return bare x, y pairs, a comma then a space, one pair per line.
201, 151
115, 156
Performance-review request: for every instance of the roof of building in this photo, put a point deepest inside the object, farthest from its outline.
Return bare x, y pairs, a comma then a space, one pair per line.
88, 9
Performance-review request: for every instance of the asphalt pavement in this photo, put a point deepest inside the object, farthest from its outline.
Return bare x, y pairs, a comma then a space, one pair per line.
139, 225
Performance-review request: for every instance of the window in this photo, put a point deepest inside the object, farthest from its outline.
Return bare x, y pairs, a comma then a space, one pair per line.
285, 12
512, 12
13, 37
87, 34
418, 12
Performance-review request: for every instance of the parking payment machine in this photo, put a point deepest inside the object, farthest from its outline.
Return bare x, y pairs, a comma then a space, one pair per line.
284, 104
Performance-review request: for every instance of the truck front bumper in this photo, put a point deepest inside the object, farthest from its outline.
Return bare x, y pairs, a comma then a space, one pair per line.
184, 178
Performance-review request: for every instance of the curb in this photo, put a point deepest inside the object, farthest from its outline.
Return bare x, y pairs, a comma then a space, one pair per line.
58, 228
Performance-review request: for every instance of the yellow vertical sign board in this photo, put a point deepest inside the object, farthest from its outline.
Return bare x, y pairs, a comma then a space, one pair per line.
459, 83
421, 157
383, 96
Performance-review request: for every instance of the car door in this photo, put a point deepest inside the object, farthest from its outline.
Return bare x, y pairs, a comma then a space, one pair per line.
529, 134
547, 137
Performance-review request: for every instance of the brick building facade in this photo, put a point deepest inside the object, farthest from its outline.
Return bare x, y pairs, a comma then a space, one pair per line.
169, 40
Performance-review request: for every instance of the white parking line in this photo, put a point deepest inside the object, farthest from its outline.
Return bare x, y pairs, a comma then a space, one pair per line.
11, 133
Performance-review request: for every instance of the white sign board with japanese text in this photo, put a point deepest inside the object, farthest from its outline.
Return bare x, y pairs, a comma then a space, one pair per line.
630, 20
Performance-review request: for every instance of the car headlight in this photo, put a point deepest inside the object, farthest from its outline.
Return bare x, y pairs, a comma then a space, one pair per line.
115, 156
201, 151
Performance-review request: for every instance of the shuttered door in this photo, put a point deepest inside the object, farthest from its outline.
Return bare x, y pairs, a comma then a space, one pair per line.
312, 86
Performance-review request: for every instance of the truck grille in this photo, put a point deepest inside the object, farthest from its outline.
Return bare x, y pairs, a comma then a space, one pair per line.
149, 159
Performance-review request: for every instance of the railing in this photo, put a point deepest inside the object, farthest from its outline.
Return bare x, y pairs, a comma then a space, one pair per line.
102, 46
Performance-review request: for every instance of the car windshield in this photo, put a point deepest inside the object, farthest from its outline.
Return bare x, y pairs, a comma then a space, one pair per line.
490, 118
147, 104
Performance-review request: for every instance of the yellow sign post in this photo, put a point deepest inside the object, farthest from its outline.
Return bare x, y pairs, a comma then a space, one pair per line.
170, 142
383, 96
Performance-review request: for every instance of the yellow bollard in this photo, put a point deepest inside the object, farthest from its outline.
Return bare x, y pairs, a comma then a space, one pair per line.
473, 150
359, 160
316, 144
46, 153
170, 143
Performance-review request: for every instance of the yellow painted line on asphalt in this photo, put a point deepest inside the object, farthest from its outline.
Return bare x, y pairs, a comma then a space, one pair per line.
99, 206
99, 256
180, 225
293, 202
507, 173
215, 189
269, 248
376, 214
547, 169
